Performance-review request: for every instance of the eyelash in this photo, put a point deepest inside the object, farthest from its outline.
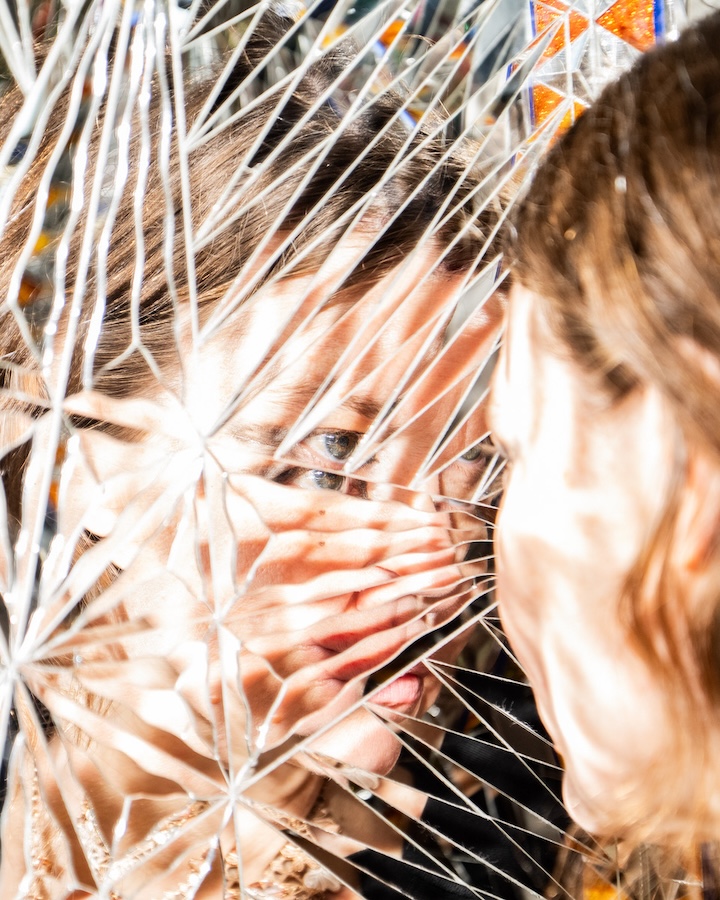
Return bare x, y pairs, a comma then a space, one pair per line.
337, 481
486, 449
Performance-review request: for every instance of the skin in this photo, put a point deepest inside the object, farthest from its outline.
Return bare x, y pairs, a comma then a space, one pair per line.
585, 488
280, 636
261, 606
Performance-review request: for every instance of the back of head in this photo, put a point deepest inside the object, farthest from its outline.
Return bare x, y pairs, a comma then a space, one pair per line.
620, 230
618, 238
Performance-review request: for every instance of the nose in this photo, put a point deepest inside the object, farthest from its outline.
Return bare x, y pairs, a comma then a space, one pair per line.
422, 497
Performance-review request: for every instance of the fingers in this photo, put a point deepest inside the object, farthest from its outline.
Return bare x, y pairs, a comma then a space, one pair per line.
287, 508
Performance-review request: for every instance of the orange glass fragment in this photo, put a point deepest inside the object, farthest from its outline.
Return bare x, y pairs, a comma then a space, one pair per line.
548, 13
546, 101
632, 21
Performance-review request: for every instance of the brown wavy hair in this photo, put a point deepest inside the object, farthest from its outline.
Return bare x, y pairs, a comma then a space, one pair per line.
301, 153
619, 235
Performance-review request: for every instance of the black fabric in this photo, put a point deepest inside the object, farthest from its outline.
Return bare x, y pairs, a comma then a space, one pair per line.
487, 841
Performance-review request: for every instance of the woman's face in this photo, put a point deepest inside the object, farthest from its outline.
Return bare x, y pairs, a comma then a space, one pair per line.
277, 587
586, 484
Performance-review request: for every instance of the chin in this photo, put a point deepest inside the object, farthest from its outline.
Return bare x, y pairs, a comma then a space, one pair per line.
624, 809
587, 815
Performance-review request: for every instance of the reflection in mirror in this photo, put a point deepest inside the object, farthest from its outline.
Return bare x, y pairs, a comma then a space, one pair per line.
252, 297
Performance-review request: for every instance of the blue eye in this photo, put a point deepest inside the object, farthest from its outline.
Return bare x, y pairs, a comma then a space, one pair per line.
326, 481
340, 444
474, 453
485, 449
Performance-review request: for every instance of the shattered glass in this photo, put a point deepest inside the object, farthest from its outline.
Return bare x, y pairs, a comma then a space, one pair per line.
252, 296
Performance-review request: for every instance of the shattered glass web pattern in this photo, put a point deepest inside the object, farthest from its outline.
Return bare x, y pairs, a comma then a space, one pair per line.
250, 644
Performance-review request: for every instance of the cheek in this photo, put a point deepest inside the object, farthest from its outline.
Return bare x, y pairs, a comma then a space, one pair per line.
362, 741
620, 743
521, 575
563, 553
602, 705
448, 653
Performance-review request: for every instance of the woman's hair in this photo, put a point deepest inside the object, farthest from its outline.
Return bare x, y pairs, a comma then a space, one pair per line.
306, 168
619, 236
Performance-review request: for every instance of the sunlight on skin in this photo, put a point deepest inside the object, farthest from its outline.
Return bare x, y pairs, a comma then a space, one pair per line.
583, 493
259, 608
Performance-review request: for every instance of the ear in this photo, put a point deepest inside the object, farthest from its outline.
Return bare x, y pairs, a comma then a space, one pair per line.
698, 525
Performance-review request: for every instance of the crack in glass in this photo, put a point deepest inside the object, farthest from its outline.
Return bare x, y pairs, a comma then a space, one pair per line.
252, 299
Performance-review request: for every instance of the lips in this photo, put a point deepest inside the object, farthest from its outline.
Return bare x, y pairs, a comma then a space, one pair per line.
403, 691
382, 668
374, 642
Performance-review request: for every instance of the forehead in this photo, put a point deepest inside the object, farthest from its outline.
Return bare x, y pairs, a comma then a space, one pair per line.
299, 337
527, 333
539, 392
515, 389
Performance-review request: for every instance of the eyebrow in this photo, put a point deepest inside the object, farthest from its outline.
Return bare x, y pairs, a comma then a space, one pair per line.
295, 398
264, 437
364, 406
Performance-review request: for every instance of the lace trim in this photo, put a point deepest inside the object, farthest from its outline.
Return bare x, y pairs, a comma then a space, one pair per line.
291, 875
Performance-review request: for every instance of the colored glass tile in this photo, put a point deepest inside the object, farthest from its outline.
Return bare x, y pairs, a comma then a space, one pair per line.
632, 21
548, 14
546, 101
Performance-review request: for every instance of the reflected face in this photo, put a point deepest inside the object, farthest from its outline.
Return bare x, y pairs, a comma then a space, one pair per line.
585, 486
288, 580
